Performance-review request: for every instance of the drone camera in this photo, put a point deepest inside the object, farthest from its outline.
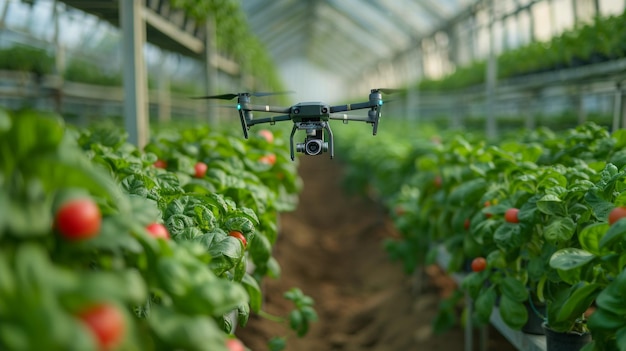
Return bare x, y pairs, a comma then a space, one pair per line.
312, 147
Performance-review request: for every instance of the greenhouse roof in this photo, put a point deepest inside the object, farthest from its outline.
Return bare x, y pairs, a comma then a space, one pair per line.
346, 37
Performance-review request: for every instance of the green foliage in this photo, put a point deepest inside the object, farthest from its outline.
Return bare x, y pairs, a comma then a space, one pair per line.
454, 190
173, 294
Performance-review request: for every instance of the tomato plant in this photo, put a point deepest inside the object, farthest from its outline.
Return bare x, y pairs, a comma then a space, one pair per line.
78, 219
269, 159
616, 214
193, 282
107, 324
200, 169
479, 264
267, 135
511, 215
235, 345
238, 235
160, 164
158, 230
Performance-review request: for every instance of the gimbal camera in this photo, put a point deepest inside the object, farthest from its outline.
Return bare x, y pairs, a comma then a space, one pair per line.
311, 117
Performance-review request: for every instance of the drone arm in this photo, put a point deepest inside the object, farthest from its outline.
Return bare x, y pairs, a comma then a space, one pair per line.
293, 132
270, 120
244, 126
268, 108
350, 107
346, 118
331, 145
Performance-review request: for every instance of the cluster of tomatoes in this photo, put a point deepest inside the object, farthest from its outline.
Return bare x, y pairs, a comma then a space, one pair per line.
479, 264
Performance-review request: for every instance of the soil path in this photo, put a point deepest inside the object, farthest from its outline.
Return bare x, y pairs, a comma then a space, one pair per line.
331, 248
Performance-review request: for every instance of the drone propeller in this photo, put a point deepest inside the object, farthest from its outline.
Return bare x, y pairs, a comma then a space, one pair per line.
387, 90
232, 96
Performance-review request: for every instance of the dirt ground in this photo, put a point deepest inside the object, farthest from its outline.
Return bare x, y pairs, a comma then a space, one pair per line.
331, 248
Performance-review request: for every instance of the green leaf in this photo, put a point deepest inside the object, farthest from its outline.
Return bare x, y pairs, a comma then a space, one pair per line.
277, 343
591, 236
186, 332
551, 205
570, 258
579, 299
254, 292
616, 232
513, 313
509, 236
560, 230
514, 289
484, 305
468, 192
602, 319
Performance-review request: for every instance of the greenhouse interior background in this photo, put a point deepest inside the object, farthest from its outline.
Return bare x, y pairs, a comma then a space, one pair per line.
488, 70
332, 51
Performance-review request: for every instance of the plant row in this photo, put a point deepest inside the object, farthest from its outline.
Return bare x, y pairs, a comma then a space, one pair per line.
588, 43
534, 222
107, 247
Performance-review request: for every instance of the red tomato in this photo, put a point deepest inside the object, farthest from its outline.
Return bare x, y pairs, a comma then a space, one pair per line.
160, 164
479, 264
268, 159
511, 215
201, 169
106, 323
239, 235
158, 230
437, 181
616, 214
466, 224
78, 219
235, 345
267, 135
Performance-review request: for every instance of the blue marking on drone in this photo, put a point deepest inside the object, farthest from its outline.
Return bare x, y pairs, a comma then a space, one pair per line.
238, 106
380, 102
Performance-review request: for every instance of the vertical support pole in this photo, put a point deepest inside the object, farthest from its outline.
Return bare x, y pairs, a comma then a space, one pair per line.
530, 119
165, 97
580, 106
59, 58
617, 108
3, 15
469, 328
210, 67
135, 80
492, 73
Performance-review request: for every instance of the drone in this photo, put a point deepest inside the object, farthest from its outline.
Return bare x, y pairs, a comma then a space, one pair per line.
311, 117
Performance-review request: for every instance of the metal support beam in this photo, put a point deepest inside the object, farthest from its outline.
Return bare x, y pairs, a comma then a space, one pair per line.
173, 31
491, 79
210, 71
135, 81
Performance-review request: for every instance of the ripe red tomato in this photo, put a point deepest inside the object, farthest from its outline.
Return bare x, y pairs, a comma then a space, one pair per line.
78, 219
158, 230
511, 215
239, 235
479, 264
200, 169
106, 323
616, 214
267, 135
235, 345
466, 224
268, 159
160, 164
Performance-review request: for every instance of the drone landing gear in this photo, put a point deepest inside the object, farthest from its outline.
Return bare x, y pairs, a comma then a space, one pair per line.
314, 143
